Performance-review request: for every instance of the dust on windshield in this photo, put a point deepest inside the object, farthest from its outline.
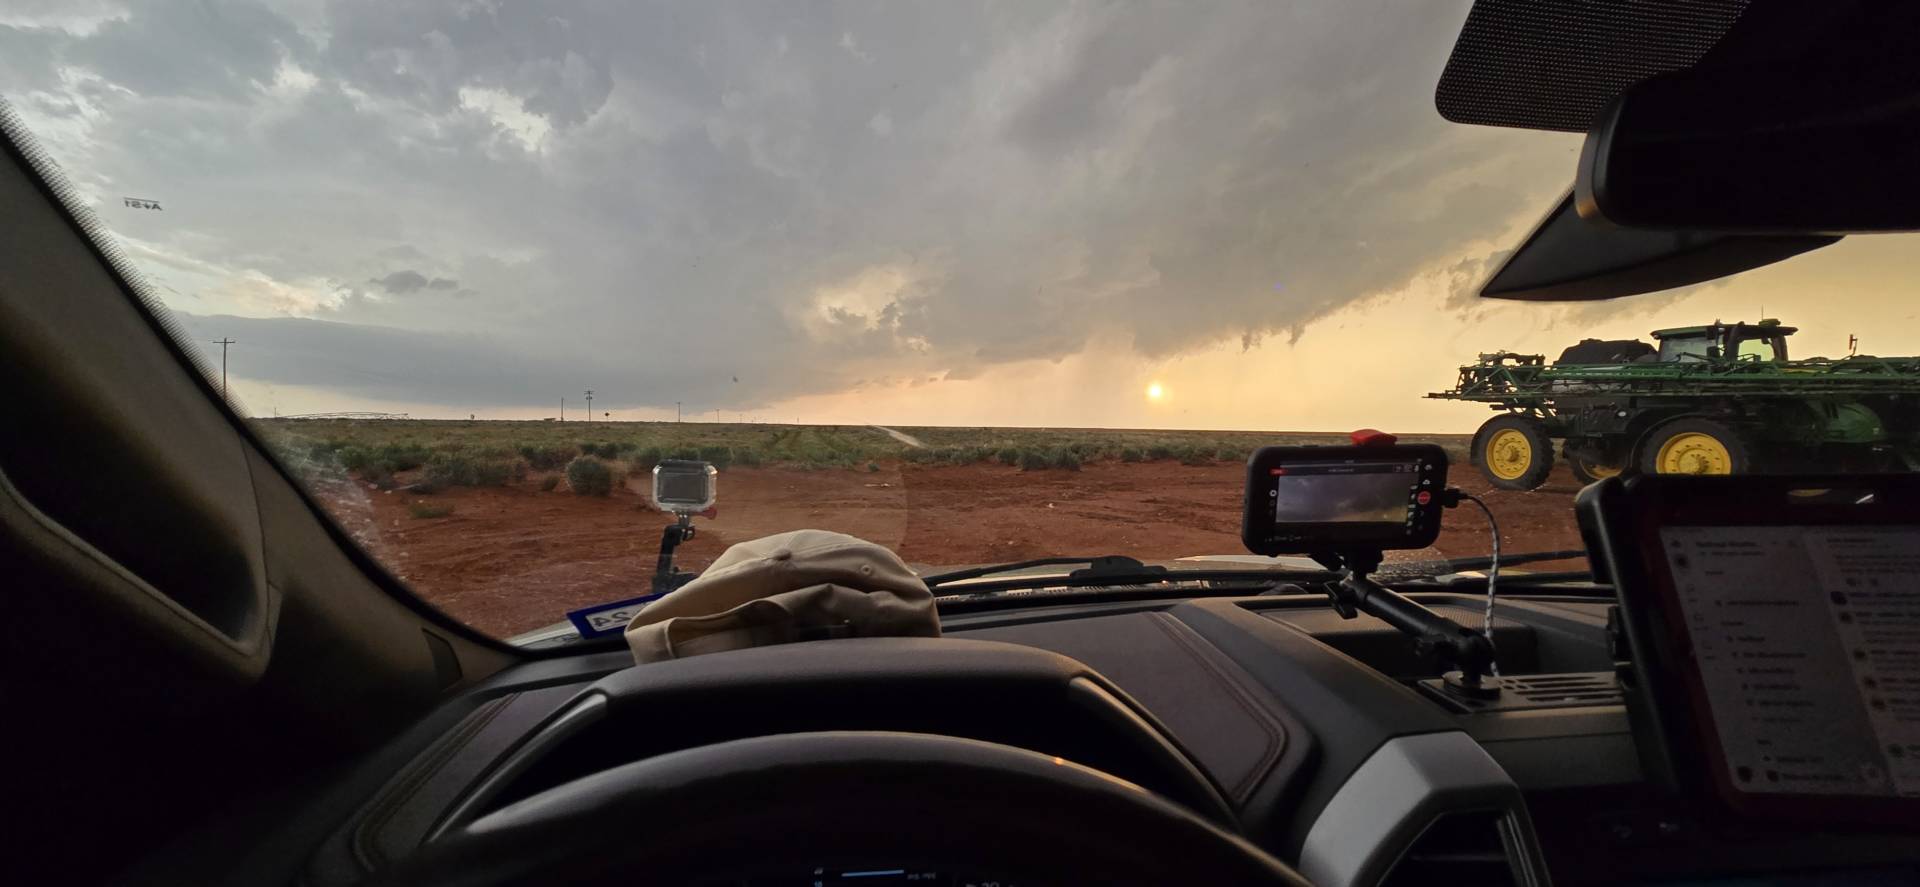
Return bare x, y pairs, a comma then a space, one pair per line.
979, 282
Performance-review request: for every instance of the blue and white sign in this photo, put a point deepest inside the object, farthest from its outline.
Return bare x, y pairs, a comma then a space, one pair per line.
605, 619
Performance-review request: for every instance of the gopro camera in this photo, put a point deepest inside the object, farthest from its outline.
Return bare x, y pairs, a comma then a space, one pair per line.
683, 486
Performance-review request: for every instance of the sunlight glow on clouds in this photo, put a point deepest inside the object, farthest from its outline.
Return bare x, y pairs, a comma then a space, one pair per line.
913, 213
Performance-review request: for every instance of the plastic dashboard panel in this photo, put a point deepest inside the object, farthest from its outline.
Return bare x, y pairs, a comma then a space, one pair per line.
1221, 704
1325, 761
528, 739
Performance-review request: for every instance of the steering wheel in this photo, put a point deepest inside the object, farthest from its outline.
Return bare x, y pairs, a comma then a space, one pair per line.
778, 806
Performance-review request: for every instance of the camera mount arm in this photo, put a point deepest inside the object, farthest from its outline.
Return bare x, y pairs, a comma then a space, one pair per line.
1467, 650
665, 577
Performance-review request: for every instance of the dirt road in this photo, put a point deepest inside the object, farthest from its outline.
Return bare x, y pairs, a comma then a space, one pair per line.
507, 560
900, 436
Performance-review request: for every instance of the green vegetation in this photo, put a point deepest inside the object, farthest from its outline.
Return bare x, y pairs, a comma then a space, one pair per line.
720, 457
549, 483
588, 476
460, 453
428, 510
471, 469
546, 458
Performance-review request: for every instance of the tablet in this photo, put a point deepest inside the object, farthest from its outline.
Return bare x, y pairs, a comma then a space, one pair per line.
1772, 631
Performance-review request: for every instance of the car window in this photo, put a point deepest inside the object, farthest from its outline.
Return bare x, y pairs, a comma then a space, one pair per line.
979, 282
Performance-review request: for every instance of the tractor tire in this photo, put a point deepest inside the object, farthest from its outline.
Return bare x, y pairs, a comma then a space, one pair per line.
1588, 471
1513, 452
1693, 445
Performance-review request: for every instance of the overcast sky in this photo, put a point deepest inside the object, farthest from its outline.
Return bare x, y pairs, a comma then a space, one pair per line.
974, 213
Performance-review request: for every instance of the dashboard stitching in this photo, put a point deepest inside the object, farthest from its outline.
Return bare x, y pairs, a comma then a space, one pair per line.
1274, 730
423, 769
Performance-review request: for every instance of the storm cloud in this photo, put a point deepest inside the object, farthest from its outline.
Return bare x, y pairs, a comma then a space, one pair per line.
492, 204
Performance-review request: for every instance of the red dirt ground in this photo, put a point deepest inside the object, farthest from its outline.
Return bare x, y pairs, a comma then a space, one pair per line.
508, 560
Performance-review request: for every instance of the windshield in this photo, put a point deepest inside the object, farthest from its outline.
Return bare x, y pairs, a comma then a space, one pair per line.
979, 282
1757, 349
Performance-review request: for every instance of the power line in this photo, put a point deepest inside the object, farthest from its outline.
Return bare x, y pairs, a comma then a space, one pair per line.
223, 343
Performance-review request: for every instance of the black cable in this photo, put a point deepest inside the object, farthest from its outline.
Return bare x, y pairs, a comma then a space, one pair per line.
1493, 573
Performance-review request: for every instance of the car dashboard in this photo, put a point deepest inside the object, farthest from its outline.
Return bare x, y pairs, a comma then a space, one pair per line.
1325, 741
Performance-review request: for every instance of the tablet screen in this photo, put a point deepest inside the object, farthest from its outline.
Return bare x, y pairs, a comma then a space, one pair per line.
1806, 644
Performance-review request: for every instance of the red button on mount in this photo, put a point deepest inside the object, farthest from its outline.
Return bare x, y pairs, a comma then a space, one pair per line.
1424, 497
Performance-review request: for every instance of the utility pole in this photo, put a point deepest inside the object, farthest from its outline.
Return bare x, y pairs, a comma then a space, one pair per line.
563, 409
676, 412
223, 343
589, 406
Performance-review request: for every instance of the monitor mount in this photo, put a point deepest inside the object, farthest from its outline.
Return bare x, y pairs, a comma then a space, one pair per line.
1468, 652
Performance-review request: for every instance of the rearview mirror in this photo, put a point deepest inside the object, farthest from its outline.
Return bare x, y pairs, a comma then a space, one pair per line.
1567, 258
1793, 149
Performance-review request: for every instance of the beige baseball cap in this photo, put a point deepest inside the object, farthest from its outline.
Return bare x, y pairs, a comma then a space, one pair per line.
796, 586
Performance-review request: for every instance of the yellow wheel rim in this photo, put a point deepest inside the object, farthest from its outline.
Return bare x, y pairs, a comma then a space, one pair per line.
1601, 471
1509, 454
1693, 452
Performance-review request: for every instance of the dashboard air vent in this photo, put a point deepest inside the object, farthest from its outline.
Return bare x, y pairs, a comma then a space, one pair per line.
1519, 692
1468, 847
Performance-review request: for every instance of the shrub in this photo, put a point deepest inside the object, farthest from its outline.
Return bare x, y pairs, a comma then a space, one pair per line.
1228, 454
426, 510
321, 450
378, 475
588, 476
603, 450
1009, 455
720, 457
402, 457
746, 456
1196, 456
355, 458
467, 470
687, 453
1067, 459
1131, 454
549, 483
873, 467
1034, 460
546, 458
1159, 451
386, 458
648, 457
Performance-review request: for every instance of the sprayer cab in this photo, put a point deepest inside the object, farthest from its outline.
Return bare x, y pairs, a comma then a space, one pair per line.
1765, 340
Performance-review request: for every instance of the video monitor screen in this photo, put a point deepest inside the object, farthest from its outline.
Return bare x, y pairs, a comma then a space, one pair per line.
1316, 499
1335, 492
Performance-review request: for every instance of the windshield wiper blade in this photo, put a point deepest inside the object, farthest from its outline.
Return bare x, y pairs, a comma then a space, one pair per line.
1150, 578
1095, 566
1482, 562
